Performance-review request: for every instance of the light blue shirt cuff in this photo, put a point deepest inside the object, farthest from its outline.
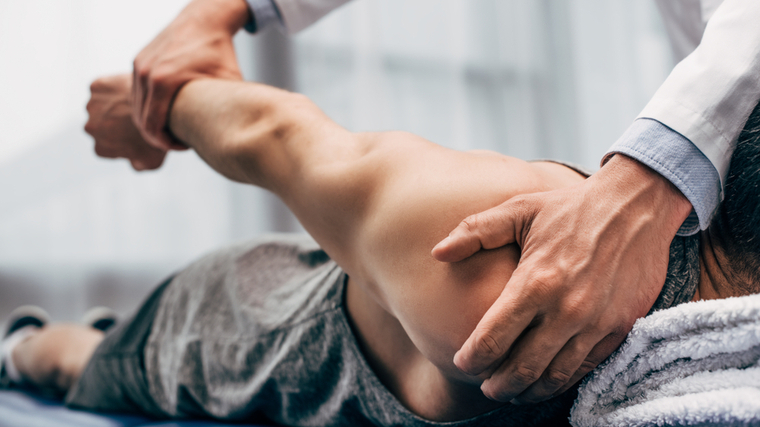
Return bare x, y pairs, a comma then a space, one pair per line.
678, 160
263, 14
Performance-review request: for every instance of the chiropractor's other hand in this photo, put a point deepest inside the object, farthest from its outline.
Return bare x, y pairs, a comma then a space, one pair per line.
110, 123
594, 259
198, 43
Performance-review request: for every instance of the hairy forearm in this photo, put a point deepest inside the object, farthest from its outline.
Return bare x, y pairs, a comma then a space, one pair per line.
249, 132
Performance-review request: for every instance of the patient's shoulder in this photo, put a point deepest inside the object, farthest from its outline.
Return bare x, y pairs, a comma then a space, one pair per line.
423, 191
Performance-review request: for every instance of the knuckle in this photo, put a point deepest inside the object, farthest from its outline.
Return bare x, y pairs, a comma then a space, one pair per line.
477, 226
544, 283
521, 203
556, 378
575, 311
519, 200
525, 374
141, 70
589, 365
602, 327
162, 77
471, 223
549, 277
486, 345
613, 327
96, 85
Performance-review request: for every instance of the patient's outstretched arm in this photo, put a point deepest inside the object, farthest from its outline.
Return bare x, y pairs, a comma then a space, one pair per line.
281, 141
377, 203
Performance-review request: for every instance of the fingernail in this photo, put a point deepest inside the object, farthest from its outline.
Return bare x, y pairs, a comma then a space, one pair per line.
441, 244
458, 359
461, 364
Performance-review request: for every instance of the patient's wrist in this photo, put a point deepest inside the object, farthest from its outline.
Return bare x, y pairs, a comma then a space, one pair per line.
178, 122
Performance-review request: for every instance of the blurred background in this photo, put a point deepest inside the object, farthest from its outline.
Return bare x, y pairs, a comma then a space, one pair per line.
529, 78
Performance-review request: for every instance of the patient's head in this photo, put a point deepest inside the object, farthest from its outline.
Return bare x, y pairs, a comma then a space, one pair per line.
735, 230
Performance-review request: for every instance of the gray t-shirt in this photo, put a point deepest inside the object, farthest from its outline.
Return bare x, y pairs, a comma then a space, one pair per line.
261, 329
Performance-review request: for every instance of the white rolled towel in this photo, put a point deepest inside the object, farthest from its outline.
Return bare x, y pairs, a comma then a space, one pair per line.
697, 364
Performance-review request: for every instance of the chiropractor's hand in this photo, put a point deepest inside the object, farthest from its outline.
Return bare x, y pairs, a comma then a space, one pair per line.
110, 123
594, 259
198, 43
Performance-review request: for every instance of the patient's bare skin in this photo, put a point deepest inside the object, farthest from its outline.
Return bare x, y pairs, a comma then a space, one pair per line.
55, 357
377, 203
717, 277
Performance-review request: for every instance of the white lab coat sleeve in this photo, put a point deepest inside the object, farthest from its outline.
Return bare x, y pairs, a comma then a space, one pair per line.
709, 95
299, 14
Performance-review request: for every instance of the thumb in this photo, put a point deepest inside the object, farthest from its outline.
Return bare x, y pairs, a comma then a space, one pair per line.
490, 229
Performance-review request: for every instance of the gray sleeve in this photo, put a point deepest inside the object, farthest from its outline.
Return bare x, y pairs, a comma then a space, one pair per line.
263, 14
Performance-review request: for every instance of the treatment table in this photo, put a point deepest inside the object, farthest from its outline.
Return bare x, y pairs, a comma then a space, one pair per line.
22, 409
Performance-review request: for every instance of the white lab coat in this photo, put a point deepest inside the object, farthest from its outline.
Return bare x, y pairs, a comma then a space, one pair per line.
710, 93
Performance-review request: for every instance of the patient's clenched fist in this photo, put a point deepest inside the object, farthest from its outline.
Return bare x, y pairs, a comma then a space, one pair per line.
110, 123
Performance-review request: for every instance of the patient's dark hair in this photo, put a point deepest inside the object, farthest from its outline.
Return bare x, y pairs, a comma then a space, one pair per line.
737, 222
